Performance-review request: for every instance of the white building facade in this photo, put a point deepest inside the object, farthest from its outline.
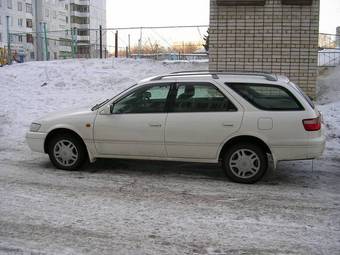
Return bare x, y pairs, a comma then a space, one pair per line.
68, 25
86, 17
21, 27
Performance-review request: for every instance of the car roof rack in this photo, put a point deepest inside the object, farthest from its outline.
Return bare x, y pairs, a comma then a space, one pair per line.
214, 74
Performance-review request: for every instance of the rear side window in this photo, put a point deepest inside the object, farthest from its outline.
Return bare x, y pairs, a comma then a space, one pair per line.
267, 97
201, 97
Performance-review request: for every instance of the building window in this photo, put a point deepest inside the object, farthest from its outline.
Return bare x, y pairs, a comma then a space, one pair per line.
80, 20
29, 23
54, 14
47, 13
32, 55
66, 19
0, 37
83, 32
29, 38
20, 21
9, 4
79, 8
29, 8
20, 38
19, 6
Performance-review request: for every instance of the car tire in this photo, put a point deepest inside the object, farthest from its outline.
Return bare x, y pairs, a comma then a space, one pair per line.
67, 152
245, 163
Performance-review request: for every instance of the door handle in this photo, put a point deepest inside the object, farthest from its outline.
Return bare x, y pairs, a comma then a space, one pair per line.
155, 124
227, 125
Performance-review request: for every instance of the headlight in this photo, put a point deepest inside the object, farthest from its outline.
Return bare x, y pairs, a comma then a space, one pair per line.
35, 127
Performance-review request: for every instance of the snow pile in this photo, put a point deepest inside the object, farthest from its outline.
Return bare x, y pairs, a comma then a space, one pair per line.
30, 90
328, 89
328, 93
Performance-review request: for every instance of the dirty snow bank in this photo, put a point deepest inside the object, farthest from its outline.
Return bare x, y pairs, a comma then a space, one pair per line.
137, 207
328, 92
69, 83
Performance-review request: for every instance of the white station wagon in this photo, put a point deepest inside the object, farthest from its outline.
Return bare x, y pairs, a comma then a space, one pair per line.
237, 119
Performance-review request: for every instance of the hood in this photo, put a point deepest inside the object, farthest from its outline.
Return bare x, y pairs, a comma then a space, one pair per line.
66, 114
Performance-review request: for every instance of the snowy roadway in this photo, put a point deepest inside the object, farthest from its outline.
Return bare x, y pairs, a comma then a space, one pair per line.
141, 207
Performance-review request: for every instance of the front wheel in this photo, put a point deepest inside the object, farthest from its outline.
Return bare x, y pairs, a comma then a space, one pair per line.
66, 152
245, 163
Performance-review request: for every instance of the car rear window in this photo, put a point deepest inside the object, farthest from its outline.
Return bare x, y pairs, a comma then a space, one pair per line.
307, 98
267, 97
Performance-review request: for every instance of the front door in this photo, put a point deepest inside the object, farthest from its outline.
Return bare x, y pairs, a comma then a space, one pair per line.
136, 125
200, 120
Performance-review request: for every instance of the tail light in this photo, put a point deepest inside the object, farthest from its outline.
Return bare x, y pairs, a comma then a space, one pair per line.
312, 124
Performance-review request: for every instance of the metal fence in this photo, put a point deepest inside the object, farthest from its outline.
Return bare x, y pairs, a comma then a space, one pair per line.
161, 43
172, 42
329, 50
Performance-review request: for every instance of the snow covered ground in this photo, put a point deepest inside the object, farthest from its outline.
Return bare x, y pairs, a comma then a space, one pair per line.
137, 207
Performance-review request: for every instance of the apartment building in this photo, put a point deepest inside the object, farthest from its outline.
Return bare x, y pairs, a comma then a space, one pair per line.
52, 29
86, 17
54, 16
21, 26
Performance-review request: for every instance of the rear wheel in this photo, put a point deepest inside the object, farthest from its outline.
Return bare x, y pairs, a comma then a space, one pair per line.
66, 152
245, 163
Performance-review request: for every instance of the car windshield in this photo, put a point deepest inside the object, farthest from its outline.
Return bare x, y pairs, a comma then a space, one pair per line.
97, 106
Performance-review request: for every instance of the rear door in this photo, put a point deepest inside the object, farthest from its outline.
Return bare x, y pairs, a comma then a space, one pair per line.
200, 119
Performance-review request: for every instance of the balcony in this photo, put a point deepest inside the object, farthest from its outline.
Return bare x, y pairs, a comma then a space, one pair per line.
80, 26
80, 14
83, 38
65, 48
80, 2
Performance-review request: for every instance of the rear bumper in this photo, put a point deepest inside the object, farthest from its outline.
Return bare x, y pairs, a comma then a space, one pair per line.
35, 141
317, 147
313, 149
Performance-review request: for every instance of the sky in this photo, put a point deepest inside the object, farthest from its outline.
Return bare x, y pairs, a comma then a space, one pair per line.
132, 13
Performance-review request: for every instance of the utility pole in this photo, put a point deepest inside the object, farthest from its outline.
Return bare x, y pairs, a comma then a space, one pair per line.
100, 42
9, 53
129, 47
45, 42
96, 44
75, 41
116, 44
72, 43
140, 41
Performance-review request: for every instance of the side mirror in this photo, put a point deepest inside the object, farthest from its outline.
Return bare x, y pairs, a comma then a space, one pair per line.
107, 110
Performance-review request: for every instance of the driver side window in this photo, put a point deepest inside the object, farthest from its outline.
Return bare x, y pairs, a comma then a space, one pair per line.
148, 99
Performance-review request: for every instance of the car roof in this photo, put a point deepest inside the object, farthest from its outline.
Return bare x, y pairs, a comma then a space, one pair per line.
240, 77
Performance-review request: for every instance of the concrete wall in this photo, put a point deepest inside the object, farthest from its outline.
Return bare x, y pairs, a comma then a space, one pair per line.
278, 38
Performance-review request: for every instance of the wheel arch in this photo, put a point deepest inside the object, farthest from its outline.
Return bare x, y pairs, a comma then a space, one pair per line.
58, 131
246, 139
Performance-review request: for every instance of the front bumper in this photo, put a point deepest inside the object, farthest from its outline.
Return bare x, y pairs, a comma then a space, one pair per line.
35, 141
